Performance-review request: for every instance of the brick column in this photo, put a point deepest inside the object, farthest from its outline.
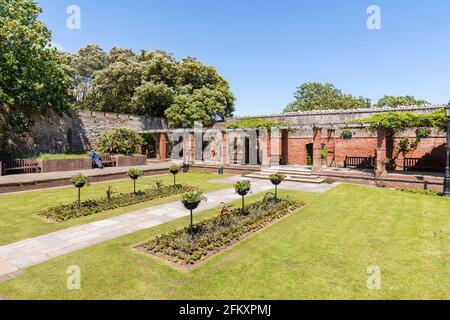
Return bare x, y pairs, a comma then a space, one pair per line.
192, 147
162, 147
331, 146
225, 158
264, 145
275, 147
317, 150
380, 168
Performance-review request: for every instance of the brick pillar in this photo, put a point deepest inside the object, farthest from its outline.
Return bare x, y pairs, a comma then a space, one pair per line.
317, 149
225, 158
162, 147
275, 147
331, 146
264, 145
192, 147
380, 168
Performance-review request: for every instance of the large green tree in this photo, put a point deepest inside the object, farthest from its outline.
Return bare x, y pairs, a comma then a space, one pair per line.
31, 74
319, 96
151, 83
391, 101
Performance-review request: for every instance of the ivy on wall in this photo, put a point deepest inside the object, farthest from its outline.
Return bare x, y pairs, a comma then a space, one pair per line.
256, 123
399, 121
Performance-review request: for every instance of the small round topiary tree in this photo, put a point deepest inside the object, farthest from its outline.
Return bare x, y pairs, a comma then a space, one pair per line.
191, 201
80, 181
277, 179
134, 174
242, 188
120, 141
174, 170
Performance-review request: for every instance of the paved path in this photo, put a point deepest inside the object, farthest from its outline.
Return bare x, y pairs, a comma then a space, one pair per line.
29, 252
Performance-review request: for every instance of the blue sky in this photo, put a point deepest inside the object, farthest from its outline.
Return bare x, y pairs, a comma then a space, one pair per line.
265, 49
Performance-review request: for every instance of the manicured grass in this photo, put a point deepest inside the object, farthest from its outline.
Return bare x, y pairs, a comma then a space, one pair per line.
18, 219
321, 252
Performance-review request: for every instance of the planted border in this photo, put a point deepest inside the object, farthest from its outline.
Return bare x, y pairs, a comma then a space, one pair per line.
216, 234
70, 211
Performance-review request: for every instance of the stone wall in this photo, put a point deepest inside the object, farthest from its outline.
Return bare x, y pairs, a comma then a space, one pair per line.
334, 116
75, 132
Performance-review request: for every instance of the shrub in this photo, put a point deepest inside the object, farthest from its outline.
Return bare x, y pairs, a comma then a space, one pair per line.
120, 141
194, 196
216, 234
69, 211
174, 170
79, 181
242, 187
421, 191
134, 174
347, 134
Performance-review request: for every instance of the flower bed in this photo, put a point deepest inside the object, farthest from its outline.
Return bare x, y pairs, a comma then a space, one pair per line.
69, 211
215, 235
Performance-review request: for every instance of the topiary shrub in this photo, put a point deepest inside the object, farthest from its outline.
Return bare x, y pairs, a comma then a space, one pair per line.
79, 181
120, 141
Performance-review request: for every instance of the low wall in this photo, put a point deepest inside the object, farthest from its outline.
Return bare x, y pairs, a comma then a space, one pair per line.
60, 165
128, 161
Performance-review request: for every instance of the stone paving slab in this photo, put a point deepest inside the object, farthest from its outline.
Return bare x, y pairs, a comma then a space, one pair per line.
26, 253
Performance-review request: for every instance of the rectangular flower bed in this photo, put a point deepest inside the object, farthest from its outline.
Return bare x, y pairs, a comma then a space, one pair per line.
216, 234
70, 211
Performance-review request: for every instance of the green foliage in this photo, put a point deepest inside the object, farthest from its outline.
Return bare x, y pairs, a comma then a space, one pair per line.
277, 177
399, 121
324, 153
194, 196
32, 77
174, 169
135, 173
120, 141
242, 187
256, 123
214, 235
391, 101
151, 83
347, 134
317, 96
421, 191
80, 180
423, 133
67, 212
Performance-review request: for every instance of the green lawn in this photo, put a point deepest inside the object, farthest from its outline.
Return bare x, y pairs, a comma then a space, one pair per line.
18, 219
321, 252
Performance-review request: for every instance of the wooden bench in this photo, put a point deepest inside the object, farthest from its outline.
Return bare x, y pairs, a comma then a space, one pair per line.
108, 160
360, 162
21, 165
424, 164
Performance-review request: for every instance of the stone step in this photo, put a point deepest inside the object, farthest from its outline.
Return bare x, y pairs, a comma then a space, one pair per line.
293, 178
288, 172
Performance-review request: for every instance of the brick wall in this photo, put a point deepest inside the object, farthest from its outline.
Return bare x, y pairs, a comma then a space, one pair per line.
363, 144
59, 165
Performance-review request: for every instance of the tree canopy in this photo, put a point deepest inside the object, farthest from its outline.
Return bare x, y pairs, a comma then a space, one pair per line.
32, 77
391, 101
318, 96
150, 83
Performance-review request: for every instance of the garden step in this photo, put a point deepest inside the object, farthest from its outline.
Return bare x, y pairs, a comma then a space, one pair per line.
292, 178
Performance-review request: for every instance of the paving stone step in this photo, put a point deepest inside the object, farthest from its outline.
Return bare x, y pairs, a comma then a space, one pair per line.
313, 179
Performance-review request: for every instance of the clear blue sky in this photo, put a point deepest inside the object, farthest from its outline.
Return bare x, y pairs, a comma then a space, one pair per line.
265, 49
